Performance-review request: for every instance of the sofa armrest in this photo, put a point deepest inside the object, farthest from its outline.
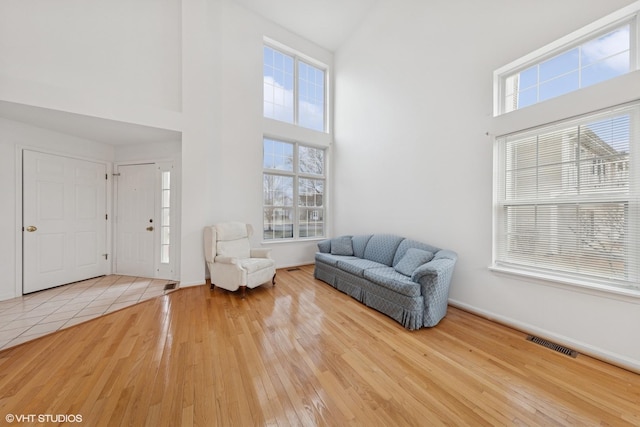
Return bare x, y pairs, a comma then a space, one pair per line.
434, 278
435, 267
445, 253
260, 253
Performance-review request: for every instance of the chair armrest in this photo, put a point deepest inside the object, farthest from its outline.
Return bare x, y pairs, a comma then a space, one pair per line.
260, 252
209, 243
227, 260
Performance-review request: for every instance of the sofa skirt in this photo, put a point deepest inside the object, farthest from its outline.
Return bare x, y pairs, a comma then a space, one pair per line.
408, 311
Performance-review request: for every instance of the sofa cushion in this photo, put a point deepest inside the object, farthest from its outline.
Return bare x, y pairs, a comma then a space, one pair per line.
407, 244
382, 248
357, 266
341, 246
389, 278
411, 260
324, 246
359, 244
331, 259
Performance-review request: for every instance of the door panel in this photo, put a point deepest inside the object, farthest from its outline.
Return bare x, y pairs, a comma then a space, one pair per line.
136, 224
64, 208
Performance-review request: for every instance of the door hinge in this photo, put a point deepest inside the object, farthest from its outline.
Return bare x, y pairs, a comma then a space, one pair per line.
106, 217
106, 176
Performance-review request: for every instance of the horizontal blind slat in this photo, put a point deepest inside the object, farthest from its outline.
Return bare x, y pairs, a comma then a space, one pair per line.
566, 199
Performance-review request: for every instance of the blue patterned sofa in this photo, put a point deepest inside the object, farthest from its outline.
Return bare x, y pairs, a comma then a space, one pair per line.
402, 278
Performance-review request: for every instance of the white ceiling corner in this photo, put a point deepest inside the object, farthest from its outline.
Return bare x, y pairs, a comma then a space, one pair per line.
327, 23
97, 129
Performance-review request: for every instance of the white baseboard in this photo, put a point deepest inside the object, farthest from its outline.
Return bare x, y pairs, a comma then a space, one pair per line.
587, 349
7, 296
190, 284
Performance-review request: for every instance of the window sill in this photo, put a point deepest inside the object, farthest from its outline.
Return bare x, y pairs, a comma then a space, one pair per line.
601, 290
284, 241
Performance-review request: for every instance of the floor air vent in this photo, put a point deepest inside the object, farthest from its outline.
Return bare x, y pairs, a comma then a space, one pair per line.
293, 269
169, 286
553, 346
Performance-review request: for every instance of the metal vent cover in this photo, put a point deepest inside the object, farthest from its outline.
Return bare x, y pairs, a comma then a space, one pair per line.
553, 346
169, 286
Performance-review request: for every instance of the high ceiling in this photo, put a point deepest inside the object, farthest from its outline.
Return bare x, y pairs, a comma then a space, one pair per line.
328, 23
96, 129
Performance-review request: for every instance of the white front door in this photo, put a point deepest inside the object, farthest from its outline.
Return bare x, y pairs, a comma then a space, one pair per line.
136, 226
64, 220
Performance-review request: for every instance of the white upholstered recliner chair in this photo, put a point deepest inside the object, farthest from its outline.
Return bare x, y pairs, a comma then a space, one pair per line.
232, 263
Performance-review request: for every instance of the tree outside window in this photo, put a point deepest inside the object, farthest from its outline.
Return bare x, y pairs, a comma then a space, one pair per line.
293, 190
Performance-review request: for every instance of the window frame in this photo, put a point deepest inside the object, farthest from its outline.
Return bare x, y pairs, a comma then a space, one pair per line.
297, 59
504, 200
296, 176
628, 15
605, 95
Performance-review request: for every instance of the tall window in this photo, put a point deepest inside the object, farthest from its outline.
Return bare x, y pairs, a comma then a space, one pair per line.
293, 190
294, 90
567, 193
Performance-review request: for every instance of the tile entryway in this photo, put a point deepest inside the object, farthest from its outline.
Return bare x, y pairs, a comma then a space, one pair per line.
31, 316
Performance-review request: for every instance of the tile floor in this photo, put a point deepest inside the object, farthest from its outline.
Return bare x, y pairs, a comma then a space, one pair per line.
31, 316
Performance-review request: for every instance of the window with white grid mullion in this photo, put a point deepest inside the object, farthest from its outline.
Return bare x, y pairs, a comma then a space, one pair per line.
293, 190
567, 198
294, 90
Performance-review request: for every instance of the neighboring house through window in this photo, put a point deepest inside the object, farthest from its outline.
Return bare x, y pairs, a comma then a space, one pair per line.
294, 188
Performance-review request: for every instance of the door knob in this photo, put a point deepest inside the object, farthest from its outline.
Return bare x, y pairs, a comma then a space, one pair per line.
31, 228
150, 228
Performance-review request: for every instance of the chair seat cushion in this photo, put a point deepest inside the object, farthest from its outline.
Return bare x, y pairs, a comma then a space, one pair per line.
252, 265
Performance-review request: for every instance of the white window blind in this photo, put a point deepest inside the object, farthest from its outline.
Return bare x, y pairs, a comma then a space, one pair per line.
567, 199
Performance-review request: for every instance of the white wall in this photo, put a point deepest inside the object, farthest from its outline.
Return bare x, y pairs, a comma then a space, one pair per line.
116, 59
165, 150
224, 125
243, 125
192, 66
413, 105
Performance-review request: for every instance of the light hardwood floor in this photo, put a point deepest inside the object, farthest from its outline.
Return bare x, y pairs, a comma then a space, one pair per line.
301, 353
